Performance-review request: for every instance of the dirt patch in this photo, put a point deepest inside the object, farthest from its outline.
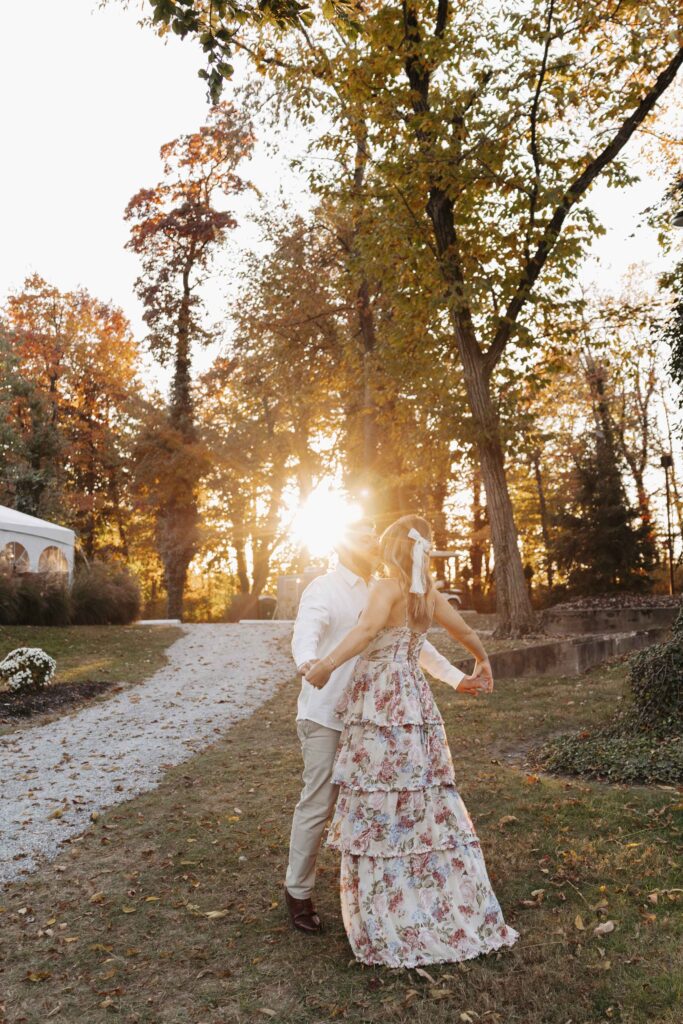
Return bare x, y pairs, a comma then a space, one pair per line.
14, 706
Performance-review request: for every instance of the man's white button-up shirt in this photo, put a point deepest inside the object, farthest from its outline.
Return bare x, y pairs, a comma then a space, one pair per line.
329, 607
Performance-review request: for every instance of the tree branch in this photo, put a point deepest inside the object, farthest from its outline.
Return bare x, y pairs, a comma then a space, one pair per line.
573, 194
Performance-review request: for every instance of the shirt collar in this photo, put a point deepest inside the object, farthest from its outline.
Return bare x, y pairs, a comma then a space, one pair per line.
348, 576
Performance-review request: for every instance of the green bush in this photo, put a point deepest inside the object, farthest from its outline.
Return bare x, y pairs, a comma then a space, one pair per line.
9, 599
634, 759
34, 599
104, 593
656, 682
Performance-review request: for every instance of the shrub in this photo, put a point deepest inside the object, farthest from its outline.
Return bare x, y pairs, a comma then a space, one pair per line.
27, 668
104, 594
632, 759
656, 682
9, 599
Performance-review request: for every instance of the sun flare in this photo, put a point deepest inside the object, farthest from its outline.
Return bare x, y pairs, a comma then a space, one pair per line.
320, 521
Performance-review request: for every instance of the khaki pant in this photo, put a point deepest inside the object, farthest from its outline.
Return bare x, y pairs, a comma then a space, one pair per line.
316, 803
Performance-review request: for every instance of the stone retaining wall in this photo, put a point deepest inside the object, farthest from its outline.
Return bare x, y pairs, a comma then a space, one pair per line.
570, 656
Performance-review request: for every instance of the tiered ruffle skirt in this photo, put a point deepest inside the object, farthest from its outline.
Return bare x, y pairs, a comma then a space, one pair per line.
414, 884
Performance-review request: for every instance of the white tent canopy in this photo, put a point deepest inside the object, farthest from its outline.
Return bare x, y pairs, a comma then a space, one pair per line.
30, 544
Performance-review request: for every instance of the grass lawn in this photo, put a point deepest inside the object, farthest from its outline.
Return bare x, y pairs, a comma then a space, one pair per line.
169, 909
126, 654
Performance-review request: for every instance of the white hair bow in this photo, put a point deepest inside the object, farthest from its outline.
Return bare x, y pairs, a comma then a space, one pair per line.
421, 549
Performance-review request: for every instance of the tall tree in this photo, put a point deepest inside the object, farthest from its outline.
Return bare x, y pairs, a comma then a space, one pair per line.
74, 401
177, 228
495, 123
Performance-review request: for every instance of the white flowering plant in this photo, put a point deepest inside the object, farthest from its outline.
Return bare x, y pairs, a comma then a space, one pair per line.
27, 668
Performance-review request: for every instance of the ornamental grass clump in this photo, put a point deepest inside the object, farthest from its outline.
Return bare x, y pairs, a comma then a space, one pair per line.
27, 668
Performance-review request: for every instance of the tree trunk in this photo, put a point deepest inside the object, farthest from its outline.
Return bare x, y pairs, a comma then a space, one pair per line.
181, 517
543, 509
476, 550
513, 605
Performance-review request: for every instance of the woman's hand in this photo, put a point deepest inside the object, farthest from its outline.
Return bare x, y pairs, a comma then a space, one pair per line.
484, 674
318, 674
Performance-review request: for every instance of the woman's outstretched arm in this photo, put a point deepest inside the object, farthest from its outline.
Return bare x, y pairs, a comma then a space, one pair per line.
372, 618
455, 625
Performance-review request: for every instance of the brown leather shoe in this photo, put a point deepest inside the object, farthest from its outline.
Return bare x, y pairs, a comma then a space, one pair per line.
302, 914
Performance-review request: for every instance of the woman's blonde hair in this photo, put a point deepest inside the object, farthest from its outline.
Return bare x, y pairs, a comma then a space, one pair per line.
396, 548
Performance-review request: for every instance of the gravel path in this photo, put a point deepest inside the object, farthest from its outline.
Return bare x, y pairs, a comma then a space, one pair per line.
52, 777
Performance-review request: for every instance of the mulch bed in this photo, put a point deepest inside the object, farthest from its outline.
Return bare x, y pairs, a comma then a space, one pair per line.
52, 698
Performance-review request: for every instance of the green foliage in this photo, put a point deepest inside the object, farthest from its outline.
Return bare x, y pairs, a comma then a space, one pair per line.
34, 599
595, 539
656, 681
100, 594
632, 759
673, 328
104, 594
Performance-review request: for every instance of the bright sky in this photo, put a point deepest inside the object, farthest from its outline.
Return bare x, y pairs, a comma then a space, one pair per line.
88, 98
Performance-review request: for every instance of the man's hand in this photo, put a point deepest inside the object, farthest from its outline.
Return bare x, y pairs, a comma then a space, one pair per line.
480, 681
318, 674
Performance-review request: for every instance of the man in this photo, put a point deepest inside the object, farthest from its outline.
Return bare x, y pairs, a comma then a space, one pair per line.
329, 608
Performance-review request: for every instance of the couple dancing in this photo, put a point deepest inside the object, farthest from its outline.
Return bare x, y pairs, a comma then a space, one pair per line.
414, 884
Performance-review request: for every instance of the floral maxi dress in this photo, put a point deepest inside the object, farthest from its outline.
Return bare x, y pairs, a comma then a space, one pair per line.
414, 885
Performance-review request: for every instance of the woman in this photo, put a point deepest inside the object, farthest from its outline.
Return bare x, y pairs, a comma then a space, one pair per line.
414, 885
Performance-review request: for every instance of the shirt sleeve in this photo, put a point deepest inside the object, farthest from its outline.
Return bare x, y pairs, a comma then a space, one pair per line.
313, 618
439, 667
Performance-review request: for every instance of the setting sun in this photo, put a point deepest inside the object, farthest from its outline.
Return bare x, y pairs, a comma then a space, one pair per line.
320, 521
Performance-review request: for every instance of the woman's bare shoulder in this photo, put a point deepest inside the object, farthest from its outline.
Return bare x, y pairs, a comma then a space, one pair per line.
387, 588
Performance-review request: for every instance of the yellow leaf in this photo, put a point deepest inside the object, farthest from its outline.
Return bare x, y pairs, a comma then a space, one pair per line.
213, 914
578, 922
97, 897
129, 910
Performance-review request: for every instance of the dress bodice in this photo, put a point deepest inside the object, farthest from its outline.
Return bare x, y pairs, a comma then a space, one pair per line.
395, 643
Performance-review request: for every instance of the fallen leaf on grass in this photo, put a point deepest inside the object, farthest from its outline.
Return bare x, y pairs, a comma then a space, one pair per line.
267, 1012
578, 922
425, 974
507, 819
37, 975
604, 928
213, 914
97, 897
129, 910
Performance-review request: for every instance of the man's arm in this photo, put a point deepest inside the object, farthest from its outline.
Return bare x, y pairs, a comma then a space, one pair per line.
438, 666
313, 618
